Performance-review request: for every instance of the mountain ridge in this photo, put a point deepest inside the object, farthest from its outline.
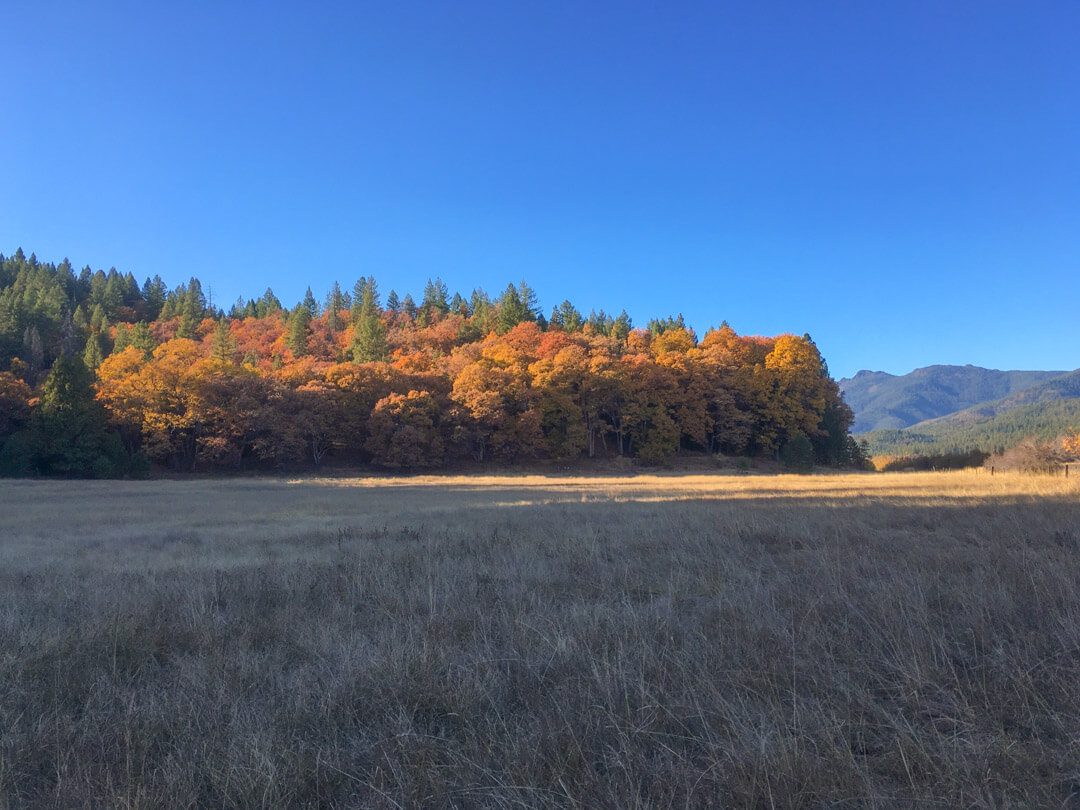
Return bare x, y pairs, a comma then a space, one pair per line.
882, 401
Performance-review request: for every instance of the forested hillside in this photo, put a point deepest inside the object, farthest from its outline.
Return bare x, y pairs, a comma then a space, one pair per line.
883, 401
103, 375
1042, 421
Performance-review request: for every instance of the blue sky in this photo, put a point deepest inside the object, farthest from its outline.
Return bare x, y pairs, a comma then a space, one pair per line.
900, 180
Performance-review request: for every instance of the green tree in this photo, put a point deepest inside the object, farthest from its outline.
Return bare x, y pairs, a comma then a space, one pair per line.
359, 289
268, 304
299, 327
369, 339
223, 346
336, 302
122, 339
435, 297
93, 354
71, 436
797, 454
154, 293
567, 317
143, 339
310, 304
515, 306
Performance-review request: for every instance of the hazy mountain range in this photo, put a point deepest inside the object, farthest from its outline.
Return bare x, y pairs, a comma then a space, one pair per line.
940, 408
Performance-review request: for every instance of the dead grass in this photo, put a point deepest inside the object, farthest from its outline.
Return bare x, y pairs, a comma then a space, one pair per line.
509, 641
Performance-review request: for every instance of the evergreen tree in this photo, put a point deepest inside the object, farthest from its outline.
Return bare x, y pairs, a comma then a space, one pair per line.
122, 339
512, 310
224, 345
567, 317
369, 341
393, 304
268, 304
336, 302
798, 453
93, 354
188, 325
358, 297
659, 326
310, 304
529, 301
299, 325
435, 297
621, 326
460, 306
143, 339
70, 433
360, 289
82, 322
196, 300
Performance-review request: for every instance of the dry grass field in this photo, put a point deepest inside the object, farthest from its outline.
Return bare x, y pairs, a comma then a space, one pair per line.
871, 640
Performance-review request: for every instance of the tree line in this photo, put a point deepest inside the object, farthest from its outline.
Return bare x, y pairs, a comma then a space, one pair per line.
106, 377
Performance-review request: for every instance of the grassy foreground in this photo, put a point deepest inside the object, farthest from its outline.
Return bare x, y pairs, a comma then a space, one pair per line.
652, 641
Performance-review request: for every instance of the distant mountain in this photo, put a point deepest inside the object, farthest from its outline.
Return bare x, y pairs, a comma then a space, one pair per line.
1062, 387
974, 430
887, 401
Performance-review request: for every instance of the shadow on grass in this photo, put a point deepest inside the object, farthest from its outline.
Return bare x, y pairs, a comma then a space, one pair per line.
738, 652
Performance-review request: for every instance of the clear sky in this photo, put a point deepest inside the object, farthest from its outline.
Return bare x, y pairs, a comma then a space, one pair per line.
899, 179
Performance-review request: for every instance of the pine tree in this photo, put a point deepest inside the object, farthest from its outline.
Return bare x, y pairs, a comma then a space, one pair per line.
70, 426
460, 305
359, 291
336, 302
188, 325
310, 304
435, 297
224, 345
567, 317
529, 301
154, 293
357, 297
93, 355
143, 339
621, 326
299, 325
99, 322
369, 341
122, 339
512, 310
268, 304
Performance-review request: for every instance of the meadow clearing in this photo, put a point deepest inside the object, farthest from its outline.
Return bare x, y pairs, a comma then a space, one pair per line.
862, 640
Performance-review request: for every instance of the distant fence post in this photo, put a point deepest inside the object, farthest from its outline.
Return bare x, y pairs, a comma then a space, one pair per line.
991, 469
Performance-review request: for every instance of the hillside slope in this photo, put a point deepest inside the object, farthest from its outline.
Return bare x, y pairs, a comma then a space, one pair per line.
1063, 387
887, 401
988, 427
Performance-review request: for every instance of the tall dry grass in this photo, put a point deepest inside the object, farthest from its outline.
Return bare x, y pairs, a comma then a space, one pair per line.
663, 641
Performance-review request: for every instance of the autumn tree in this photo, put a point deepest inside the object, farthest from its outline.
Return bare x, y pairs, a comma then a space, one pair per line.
501, 420
404, 431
